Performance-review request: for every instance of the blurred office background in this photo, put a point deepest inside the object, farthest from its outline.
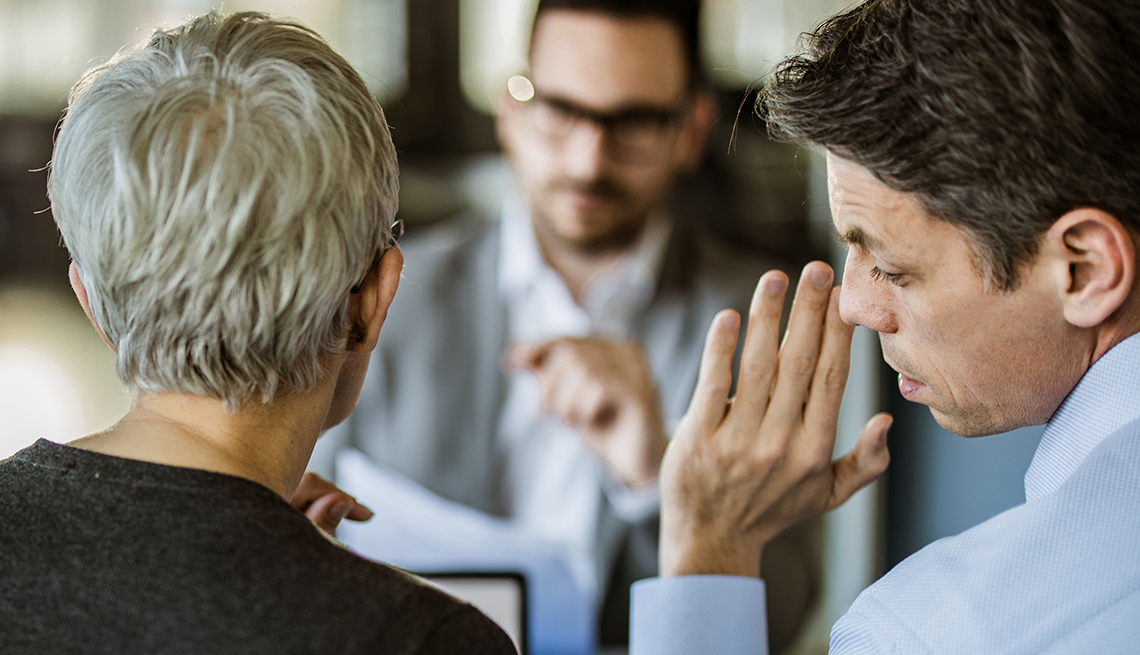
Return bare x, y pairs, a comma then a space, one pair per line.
437, 66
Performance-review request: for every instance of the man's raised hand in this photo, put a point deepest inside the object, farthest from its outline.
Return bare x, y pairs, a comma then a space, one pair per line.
740, 470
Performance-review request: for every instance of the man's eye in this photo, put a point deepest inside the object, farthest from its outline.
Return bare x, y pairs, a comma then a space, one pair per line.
879, 274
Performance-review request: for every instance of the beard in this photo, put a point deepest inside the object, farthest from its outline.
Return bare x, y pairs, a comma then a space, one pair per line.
616, 227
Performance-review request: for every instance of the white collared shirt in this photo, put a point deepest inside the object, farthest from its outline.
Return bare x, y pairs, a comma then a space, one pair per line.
553, 475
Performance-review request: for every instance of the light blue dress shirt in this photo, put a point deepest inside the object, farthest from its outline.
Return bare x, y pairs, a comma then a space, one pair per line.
1059, 574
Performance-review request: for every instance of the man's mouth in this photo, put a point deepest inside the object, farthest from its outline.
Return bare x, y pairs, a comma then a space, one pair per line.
591, 194
909, 387
587, 200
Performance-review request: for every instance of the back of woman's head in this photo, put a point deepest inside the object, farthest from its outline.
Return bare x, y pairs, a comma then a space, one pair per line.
221, 190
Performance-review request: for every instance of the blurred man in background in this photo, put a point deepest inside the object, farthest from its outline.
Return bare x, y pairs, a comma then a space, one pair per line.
534, 365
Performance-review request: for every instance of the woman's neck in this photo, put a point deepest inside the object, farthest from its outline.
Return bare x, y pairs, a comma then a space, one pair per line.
269, 444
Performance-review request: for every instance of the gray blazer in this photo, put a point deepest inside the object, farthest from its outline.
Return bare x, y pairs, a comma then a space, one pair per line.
431, 403
430, 407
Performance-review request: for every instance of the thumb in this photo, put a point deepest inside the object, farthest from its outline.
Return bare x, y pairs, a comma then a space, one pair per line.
861, 466
522, 355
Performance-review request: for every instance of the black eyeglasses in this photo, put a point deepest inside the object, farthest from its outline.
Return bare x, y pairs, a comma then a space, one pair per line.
637, 133
396, 231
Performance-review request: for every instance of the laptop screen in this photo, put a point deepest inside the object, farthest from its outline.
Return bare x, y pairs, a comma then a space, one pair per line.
501, 596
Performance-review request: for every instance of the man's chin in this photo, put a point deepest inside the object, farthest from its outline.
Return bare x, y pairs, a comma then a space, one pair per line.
968, 425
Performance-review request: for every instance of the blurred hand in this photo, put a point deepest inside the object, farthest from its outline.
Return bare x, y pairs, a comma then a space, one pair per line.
739, 471
606, 391
325, 504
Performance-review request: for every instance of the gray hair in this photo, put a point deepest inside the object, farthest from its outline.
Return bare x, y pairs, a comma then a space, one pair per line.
221, 190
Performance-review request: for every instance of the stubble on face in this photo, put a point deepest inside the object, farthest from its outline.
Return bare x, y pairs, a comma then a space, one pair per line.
982, 359
615, 232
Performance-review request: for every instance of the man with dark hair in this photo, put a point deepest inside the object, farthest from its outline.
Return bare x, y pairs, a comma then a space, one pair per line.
984, 158
533, 366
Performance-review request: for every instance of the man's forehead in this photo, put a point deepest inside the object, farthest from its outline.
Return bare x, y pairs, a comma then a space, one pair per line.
604, 61
869, 215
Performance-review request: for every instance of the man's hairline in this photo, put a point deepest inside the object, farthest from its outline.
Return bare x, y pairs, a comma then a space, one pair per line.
694, 84
980, 255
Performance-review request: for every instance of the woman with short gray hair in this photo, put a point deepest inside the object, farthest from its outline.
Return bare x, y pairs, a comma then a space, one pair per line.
227, 193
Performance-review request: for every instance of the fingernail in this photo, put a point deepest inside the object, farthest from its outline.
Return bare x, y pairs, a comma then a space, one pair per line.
776, 285
338, 511
821, 277
729, 321
884, 431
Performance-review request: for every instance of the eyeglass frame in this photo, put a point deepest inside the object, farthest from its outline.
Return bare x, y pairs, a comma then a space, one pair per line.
607, 122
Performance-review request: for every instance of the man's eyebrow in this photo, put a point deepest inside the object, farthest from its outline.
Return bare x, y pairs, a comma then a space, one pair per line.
635, 107
857, 238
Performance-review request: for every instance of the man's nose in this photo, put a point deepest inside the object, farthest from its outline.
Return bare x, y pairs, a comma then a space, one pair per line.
586, 151
861, 302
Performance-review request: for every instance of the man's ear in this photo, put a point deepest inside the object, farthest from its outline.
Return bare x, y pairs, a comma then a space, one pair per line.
695, 131
81, 294
370, 304
1096, 264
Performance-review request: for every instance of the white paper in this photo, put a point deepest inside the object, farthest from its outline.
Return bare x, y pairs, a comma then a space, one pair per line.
417, 530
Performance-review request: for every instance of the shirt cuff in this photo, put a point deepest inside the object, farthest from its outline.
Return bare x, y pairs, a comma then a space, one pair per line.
632, 505
698, 615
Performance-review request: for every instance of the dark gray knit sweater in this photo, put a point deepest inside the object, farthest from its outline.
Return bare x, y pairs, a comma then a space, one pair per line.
101, 554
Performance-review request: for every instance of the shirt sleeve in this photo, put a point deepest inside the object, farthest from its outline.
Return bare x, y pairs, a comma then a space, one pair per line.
698, 615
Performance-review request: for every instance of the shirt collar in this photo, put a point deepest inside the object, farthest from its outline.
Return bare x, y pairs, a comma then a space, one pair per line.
612, 297
520, 261
1106, 399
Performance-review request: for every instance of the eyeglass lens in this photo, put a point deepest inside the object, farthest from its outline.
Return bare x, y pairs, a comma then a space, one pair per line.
635, 131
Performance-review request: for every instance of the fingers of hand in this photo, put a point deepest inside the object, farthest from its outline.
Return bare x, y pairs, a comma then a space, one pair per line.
587, 382
821, 415
800, 351
329, 510
758, 362
563, 380
358, 513
522, 355
862, 465
325, 504
311, 487
598, 410
714, 381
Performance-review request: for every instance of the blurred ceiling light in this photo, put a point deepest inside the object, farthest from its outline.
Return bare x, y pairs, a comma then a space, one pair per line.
493, 38
520, 88
742, 39
45, 45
